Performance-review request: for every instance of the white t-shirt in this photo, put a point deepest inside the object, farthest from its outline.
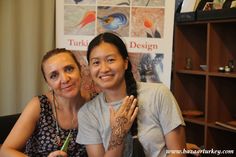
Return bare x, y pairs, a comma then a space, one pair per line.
158, 115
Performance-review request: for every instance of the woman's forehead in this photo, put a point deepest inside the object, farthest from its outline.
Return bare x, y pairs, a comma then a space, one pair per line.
58, 61
104, 49
61, 57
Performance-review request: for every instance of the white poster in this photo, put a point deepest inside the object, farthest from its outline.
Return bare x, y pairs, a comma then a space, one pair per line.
145, 25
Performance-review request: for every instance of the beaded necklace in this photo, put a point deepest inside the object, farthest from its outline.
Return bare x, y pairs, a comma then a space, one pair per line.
58, 140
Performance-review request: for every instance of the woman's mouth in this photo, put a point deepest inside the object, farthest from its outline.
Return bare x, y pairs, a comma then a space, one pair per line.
105, 77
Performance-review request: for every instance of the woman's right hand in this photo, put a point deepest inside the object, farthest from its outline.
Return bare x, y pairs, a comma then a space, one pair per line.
58, 153
122, 120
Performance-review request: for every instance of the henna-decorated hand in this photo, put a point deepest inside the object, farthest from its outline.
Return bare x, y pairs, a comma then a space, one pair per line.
122, 120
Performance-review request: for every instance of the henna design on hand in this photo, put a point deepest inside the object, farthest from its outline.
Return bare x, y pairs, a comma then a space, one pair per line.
118, 132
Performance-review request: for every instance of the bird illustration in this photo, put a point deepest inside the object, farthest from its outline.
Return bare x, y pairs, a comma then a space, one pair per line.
113, 21
89, 17
77, 1
149, 24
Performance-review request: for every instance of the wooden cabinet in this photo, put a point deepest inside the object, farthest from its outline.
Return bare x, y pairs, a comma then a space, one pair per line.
210, 43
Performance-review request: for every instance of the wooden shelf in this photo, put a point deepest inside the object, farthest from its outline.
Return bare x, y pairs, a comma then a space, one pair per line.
191, 72
218, 74
213, 125
198, 120
210, 43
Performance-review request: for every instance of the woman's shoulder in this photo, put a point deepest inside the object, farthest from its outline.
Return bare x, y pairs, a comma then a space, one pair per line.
34, 101
151, 86
151, 90
38, 98
32, 110
93, 103
95, 100
39, 103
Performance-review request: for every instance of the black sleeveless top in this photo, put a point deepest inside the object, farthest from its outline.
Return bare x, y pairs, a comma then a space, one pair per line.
42, 141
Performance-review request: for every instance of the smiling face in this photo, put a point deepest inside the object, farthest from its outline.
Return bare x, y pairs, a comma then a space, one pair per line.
107, 67
62, 75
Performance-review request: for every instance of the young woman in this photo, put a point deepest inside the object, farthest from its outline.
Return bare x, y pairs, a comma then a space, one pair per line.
49, 118
159, 126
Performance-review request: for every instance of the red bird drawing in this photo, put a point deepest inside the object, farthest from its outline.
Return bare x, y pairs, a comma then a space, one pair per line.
89, 17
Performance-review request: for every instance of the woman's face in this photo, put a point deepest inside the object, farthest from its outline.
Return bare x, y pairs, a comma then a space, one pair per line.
62, 75
107, 67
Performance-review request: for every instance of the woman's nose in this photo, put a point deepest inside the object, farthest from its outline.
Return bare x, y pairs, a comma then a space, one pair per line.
64, 77
104, 67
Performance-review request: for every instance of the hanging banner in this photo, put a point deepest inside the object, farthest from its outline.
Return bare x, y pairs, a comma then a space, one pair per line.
146, 26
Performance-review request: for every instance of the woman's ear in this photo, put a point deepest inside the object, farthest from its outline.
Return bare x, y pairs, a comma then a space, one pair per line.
126, 63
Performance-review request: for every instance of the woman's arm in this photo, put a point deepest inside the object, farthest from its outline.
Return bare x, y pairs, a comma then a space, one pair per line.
121, 121
22, 130
175, 140
97, 150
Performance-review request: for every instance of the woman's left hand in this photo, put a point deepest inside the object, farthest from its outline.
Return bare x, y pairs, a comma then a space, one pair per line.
122, 120
58, 153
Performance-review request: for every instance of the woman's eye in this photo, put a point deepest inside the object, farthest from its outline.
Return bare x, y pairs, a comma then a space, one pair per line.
110, 60
53, 76
95, 62
69, 69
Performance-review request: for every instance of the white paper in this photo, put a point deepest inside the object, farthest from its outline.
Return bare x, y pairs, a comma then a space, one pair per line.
188, 6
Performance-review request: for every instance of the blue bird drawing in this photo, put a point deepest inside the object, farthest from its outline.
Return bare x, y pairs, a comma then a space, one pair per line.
113, 21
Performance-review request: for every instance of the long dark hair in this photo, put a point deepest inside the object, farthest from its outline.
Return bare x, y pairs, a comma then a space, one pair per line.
131, 85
